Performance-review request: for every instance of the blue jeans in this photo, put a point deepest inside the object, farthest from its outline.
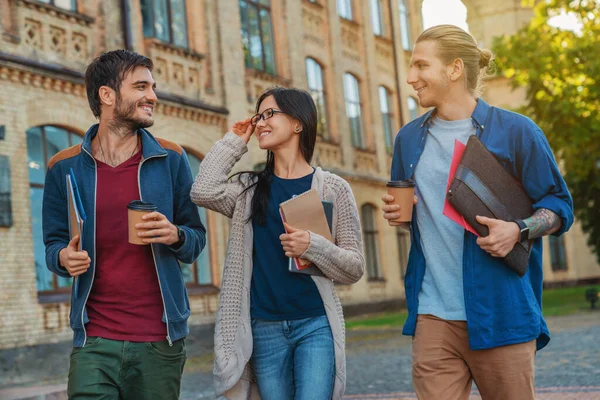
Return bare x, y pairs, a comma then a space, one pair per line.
293, 359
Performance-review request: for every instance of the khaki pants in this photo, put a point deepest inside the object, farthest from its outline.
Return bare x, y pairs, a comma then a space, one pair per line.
444, 366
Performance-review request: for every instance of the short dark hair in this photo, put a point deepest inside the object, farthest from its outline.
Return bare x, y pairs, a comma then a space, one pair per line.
109, 69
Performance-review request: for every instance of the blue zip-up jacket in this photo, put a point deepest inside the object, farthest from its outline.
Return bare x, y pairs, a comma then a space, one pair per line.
501, 308
165, 179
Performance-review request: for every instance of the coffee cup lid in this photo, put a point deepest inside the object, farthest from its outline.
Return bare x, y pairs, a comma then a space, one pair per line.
408, 183
139, 205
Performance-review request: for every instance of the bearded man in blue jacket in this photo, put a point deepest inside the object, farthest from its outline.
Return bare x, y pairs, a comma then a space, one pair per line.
129, 303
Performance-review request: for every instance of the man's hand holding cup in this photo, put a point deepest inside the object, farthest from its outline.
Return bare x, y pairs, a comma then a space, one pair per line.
399, 202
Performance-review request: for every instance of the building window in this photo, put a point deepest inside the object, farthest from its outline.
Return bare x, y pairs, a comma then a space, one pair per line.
377, 17
165, 20
405, 26
413, 108
43, 142
257, 35
344, 8
385, 105
353, 110
558, 255
70, 5
199, 272
314, 75
370, 235
403, 246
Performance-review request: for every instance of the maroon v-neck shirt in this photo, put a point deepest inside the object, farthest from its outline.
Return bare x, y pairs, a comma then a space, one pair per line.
125, 302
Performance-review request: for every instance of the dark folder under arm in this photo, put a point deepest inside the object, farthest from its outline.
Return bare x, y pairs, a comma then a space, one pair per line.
483, 187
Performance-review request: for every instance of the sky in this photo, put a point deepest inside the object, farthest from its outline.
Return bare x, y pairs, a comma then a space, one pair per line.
436, 12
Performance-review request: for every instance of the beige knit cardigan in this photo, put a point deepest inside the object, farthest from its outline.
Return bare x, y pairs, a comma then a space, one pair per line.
342, 262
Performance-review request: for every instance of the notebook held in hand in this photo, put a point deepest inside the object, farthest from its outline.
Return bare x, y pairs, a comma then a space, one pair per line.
483, 187
306, 212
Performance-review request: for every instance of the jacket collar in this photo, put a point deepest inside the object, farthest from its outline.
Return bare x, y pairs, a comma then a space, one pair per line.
479, 115
150, 146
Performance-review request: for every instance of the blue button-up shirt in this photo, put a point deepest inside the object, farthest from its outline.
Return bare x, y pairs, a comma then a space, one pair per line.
501, 307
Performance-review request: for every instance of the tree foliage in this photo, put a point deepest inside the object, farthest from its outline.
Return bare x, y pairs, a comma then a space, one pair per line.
561, 72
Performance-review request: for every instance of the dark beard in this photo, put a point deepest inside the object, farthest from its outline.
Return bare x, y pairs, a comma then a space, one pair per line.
124, 116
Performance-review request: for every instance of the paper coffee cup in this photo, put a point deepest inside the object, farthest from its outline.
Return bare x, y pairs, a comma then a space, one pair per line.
135, 210
403, 193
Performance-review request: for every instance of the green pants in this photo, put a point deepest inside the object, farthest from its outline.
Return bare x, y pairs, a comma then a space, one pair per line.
114, 369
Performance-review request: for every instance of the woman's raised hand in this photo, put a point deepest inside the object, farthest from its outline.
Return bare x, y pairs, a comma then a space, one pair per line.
243, 129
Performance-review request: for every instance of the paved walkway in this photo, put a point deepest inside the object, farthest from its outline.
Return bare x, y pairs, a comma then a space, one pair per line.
378, 363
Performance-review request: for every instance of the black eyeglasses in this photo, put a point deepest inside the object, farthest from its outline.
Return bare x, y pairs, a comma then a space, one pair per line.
265, 115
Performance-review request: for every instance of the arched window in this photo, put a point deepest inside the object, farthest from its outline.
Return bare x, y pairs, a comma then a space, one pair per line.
165, 20
387, 118
43, 142
316, 87
370, 235
257, 35
413, 108
353, 110
198, 273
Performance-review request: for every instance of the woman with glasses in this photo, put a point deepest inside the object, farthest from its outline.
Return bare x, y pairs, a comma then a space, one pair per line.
277, 332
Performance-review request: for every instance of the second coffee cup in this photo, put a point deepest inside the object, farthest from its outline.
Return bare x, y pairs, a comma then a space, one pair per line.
403, 193
135, 211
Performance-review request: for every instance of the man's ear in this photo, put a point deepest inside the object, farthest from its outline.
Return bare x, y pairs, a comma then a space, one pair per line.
107, 96
457, 69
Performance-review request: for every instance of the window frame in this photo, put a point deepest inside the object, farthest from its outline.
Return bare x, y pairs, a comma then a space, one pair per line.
377, 18
195, 286
413, 113
315, 92
387, 117
57, 293
405, 26
259, 6
53, 4
402, 238
348, 6
169, 23
370, 229
362, 145
558, 253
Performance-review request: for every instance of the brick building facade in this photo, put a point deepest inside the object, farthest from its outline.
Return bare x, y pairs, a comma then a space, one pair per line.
212, 58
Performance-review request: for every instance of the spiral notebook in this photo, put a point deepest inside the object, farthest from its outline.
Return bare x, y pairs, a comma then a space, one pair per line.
306, 212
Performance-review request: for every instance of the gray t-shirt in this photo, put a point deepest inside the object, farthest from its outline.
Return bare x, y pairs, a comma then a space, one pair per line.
441, 239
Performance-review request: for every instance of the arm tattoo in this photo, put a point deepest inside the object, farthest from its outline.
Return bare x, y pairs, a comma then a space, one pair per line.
543, 222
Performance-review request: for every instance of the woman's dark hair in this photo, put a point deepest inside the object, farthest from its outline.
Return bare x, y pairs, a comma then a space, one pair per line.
109, 69
300, 105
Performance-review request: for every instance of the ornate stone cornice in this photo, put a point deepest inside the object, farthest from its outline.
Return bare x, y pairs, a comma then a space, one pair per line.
176, 50
264, 76
76, 87
70, 16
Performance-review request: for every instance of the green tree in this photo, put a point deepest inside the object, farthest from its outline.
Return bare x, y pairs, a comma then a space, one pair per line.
561, 72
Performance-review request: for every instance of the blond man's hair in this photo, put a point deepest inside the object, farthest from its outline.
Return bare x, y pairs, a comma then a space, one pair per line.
454, 43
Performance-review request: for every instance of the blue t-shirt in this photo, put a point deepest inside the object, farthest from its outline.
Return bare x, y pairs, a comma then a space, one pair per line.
275, 293
442, 240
